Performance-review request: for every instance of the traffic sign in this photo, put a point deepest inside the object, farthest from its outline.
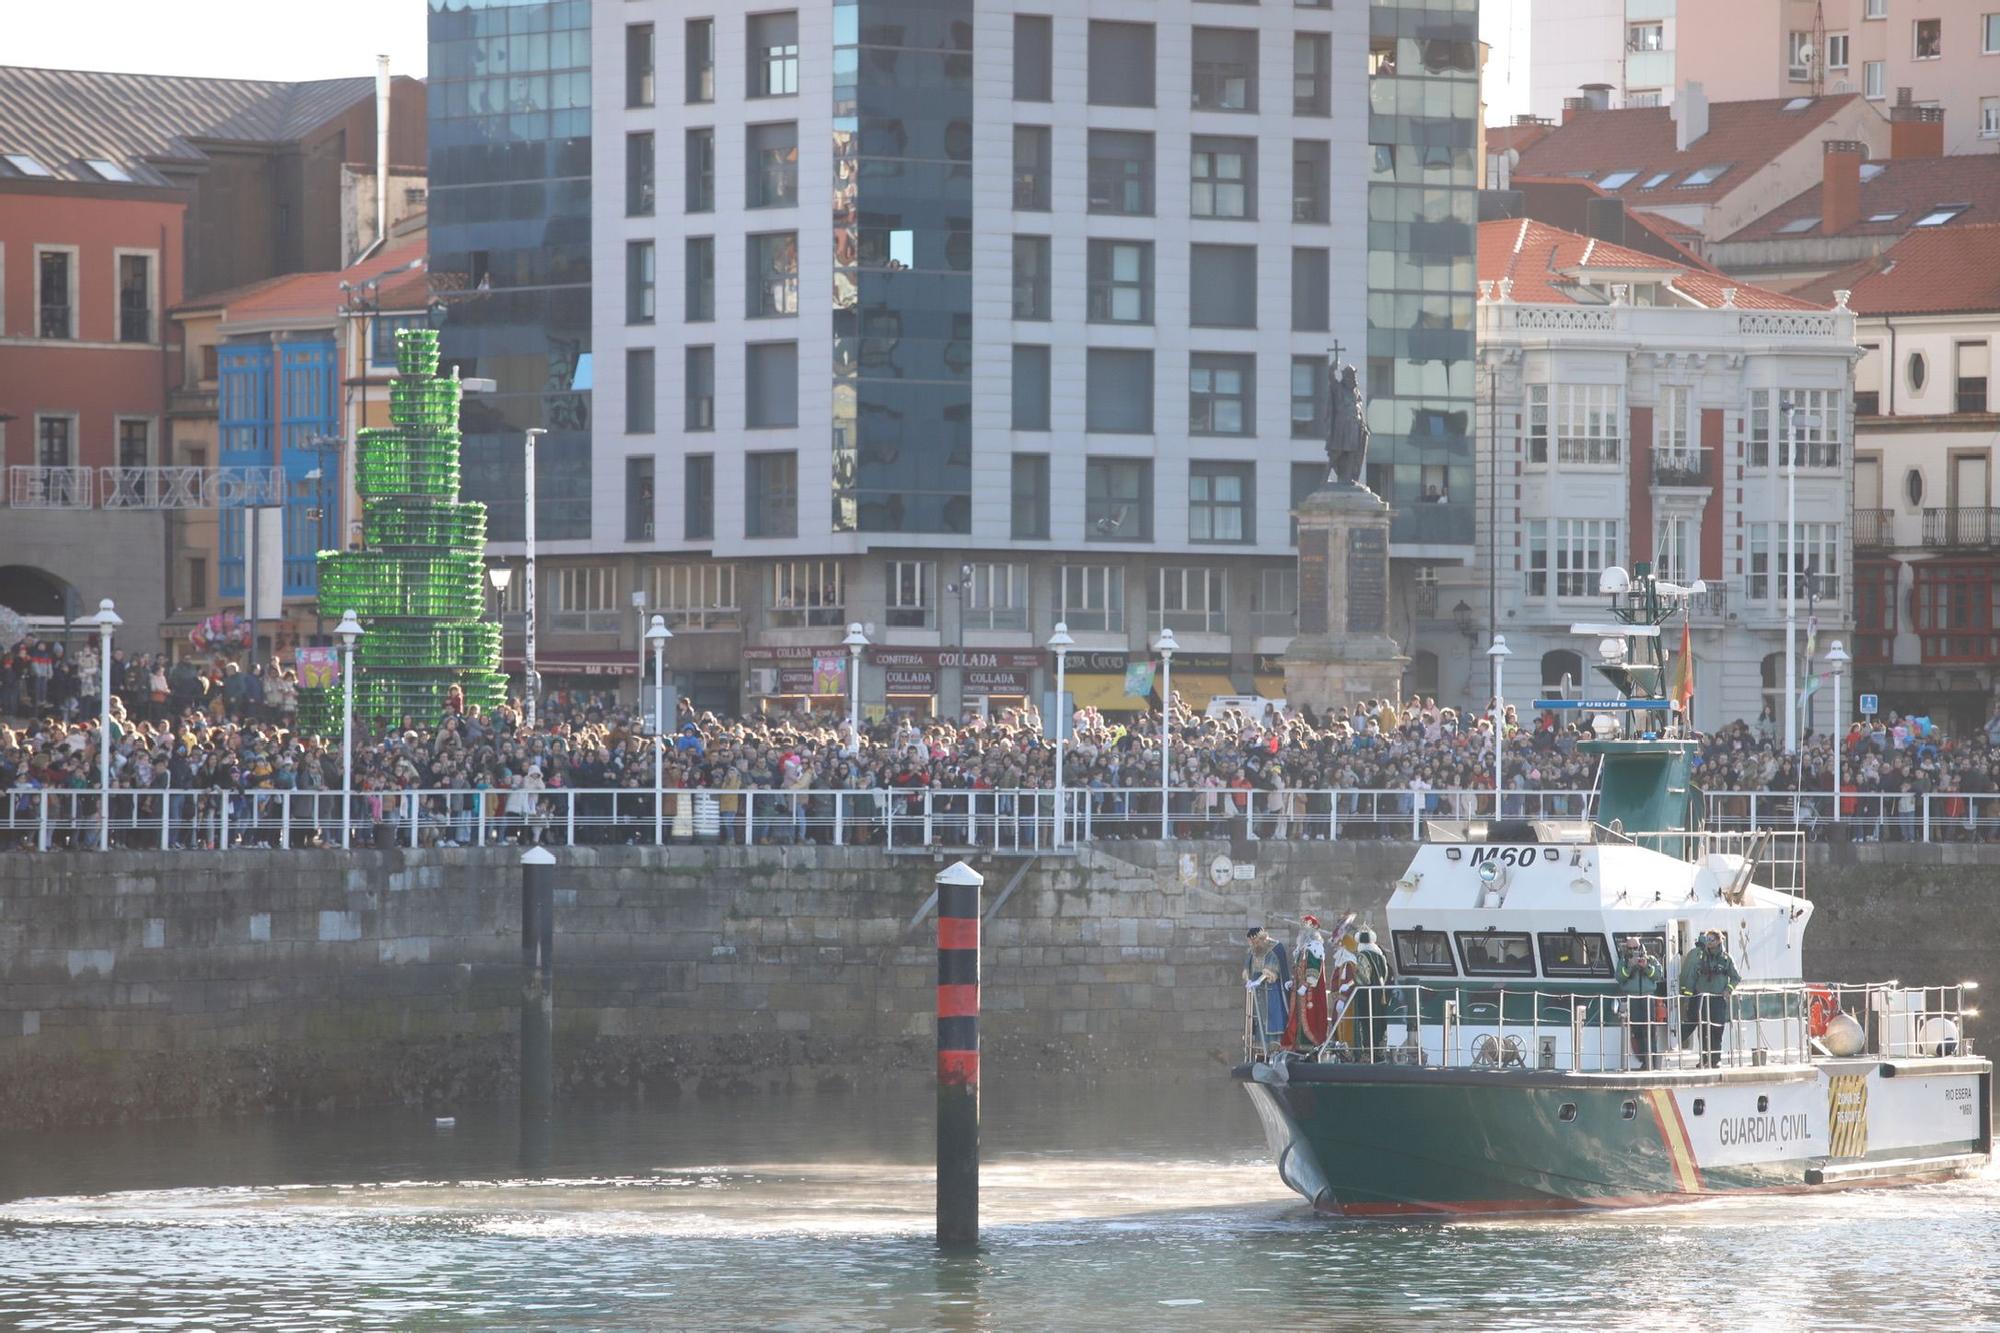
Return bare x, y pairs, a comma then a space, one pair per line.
1869, 705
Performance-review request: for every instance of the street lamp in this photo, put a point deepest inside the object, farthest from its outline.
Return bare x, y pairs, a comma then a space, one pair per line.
1060, 643
1498, 655
108, 620
529, 682
657, 636
502, 578
1836, 661
349, 629
854, 643
1166, 648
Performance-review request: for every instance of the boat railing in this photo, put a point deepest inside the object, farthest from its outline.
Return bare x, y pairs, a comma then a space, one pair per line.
1602, 1031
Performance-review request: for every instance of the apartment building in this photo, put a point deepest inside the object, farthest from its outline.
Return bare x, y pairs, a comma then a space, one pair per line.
1624, 47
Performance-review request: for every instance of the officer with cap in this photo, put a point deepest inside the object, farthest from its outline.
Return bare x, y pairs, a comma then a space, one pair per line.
1371, 1005
1637, 975
1707, 979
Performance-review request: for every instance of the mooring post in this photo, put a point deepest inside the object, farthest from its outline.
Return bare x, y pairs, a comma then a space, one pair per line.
958, 1056
538, 931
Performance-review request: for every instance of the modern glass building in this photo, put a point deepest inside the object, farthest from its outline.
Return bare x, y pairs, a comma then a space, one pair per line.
510, 247
1423, 210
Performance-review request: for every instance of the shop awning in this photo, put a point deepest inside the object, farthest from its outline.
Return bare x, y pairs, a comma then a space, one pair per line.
1196, 688
614, 662
1104, 693
1270, 686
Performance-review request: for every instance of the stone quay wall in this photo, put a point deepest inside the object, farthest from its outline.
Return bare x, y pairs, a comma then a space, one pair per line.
138, 985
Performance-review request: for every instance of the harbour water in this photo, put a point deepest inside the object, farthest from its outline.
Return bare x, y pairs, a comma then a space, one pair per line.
1128, 1203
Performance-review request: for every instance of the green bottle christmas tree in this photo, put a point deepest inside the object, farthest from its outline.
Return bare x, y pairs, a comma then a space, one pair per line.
418, 584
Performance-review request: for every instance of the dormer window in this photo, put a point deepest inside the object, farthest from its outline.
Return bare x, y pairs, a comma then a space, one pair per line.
108, 170
1617, 180
1655, 182
26, 165
1940, 215
1798, 226
1706, 175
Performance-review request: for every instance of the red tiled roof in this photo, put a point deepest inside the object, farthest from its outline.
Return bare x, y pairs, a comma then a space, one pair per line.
1932, 271
1521, 137
315, 295
1906, 187
1540, 259
1561, 199
1743, 136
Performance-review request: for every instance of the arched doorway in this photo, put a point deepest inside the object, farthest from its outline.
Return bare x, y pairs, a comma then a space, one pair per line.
29, 591
1558, 665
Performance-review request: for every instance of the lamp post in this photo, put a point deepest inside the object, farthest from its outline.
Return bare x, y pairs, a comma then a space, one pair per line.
1836, 662
1166, 648
108, 620
349, 629
854, 643
657, 636
529, 683
1060, 643
1498, 655
502, 578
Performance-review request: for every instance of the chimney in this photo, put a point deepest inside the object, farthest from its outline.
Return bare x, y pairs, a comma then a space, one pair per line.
1690, 113
1604, 218
1840, 186
381, 150
1597, 96
1915, 131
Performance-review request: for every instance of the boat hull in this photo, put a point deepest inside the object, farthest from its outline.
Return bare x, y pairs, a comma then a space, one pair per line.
1394, 1141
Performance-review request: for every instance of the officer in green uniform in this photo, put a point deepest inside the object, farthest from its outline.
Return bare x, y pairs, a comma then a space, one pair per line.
1638, 974
1707, 978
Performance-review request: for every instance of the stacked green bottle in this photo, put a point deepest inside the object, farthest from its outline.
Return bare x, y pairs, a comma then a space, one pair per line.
419, 582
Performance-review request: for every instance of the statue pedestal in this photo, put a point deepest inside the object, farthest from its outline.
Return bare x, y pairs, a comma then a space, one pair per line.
1342, 653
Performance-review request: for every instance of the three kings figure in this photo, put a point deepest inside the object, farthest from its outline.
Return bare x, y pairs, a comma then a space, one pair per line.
1322, 986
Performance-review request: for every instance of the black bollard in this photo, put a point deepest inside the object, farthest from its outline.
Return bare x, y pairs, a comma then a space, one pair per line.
958, 1056
538, 932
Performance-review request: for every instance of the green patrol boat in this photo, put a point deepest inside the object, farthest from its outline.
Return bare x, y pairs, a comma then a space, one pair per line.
1505, 1068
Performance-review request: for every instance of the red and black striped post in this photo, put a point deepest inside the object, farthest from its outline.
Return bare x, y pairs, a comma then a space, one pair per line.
958, 1056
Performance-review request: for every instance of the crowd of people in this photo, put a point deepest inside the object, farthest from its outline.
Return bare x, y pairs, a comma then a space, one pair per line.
202, 734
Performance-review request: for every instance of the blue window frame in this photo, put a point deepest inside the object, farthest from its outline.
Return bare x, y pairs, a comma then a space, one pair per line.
382, 337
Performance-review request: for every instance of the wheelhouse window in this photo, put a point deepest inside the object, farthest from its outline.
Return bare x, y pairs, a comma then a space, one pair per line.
1423, 953
1569, 953
1496, 953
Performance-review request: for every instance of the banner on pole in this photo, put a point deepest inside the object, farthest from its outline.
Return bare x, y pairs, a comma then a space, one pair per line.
319, 668
1139, 679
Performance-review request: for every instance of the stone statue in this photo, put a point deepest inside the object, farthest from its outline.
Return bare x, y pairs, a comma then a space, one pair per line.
1347, 431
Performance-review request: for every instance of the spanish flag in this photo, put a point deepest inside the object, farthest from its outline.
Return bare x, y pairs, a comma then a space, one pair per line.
1684, 672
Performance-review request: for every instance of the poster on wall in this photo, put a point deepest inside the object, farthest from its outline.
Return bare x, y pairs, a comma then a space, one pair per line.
1139, 679
318, 668
829, 674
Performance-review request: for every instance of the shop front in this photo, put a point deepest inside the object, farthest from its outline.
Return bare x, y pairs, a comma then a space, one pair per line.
990, 680
796, 678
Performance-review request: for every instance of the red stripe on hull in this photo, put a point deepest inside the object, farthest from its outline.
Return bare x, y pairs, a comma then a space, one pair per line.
958, 932
958, 1002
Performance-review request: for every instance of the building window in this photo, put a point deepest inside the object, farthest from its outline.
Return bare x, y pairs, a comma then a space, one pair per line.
1872, 79
1583, 419
1092, 598
1674, 548
56, 316
1031, 386
1971, 362
1875, 9
773, 266
1222, 286
774, 54
135, 298
197, 572
1121, 63
1836, 50
806, 593
1121, 173
771, 495
639, 282
1030, 497
639, 175
55, 442
700, 276
1031, 277
698, 497
1223, 172
912, 594
701, 60
1645, 37
1578, 548
382, 333
698, 389
135, 443
1312, 286
580, 590
1814, 558
701, 171
1989, 116
638, 64
1812, 417
1121, 282
694, 595
773, 166
1310, 187
1312, 74
1926, 39
1225, 69
1991, 24
639, 499
639, 391
1276, 608
1639, 97
1673, 442
1221, 393
1031, 168
1192, 600
1117, 499
996, 596
1034, 57
1799, 56
1220, 502
1118, 391
1308, 397
771, 385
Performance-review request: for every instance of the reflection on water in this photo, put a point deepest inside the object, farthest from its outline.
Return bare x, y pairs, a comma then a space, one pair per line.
1132, 1203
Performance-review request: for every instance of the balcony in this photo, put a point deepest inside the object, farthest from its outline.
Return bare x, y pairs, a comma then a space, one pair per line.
1681, 467
1874, 529
1961, 526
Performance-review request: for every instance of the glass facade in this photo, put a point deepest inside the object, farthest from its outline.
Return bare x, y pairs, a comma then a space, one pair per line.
1422, 219
902, 246
510, 246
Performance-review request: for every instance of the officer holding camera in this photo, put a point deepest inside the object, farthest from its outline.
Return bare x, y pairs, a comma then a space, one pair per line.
1707, 979
1638, 975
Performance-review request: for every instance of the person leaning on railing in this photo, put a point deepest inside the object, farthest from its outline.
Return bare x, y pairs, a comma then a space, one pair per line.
1637, 976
